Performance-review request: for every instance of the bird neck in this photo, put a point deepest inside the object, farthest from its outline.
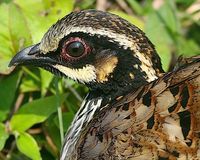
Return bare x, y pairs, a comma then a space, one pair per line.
117, 87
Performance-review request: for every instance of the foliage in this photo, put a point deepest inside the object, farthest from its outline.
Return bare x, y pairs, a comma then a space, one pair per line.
32, 100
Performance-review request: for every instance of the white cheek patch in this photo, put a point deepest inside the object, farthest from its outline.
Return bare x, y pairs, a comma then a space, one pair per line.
86, 74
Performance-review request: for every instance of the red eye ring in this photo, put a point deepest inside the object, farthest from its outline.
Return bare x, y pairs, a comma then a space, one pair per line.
74, 48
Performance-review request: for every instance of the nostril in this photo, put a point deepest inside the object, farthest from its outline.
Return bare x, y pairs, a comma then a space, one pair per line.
35, 49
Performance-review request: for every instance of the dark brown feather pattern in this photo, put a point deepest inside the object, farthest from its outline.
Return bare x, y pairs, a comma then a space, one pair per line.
120, 130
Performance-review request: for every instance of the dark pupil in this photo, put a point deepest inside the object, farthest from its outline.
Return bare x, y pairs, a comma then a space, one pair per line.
75, 49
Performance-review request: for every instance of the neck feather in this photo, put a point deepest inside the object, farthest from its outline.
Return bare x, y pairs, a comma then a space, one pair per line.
128, 76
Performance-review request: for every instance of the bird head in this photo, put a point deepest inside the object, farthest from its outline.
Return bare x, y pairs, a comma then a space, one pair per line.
98, 49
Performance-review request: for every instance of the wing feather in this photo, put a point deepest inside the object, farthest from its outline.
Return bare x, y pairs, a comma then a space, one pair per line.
159, 120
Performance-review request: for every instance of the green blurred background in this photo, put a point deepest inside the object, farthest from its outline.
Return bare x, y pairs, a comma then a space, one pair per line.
34, 105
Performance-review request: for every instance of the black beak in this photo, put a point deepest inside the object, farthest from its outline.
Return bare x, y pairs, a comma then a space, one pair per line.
31, 56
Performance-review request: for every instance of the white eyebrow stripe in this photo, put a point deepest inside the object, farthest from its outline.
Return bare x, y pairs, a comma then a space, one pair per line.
122, 39
50, 43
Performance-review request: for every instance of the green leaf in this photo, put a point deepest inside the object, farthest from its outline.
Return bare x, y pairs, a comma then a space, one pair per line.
6, 49
20, 26
168, 16
53, 131
19, 30
29, 85
3, 115
3, 136
44, 14
59, 7
186, 3
34, 112
188, 47
158, 34
8, 87
135, 6
164, 29
14, 33
27, 145
86, 4
46, 78
67, 119
31, 80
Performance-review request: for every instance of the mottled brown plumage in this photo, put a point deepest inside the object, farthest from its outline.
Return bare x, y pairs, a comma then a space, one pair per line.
134, 111
160, 119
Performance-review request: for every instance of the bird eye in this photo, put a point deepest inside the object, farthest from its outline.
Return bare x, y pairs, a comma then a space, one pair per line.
75, 49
